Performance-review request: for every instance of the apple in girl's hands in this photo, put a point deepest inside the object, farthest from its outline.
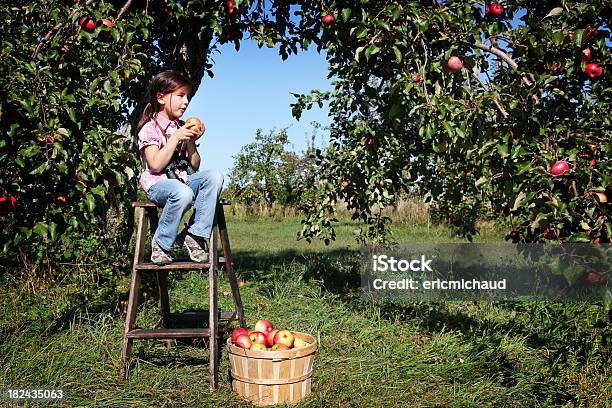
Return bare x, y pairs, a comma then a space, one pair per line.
196, 125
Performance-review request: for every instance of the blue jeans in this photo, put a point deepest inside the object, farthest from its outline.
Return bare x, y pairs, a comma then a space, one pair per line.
176, 198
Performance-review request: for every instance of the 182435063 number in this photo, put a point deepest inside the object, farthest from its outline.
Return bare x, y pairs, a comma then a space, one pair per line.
40, 394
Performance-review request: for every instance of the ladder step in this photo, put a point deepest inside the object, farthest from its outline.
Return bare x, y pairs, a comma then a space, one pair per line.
167, 333
176, 265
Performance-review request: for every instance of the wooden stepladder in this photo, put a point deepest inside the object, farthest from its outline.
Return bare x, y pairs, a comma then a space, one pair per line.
146, 213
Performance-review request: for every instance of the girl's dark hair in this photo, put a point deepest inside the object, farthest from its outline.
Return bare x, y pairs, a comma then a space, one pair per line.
164, 82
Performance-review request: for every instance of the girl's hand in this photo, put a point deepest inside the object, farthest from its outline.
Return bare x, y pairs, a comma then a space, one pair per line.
198, 133
182, 134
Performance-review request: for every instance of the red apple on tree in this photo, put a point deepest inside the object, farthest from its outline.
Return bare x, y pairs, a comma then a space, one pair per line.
586, 55
106, 22
231, 7
88, 24
454, 64
496, 9
603, 198
345, 183
592, 32
7, 204
416, 77
243, 341
559, 168
238, 331
327, 19
593, 70
284, 337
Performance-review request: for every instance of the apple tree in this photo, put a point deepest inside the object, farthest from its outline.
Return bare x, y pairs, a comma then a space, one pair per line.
473, 104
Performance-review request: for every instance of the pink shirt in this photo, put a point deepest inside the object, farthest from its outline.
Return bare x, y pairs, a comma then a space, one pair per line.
151, 134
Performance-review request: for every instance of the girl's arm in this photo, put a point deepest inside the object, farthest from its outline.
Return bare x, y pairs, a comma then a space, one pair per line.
158, 159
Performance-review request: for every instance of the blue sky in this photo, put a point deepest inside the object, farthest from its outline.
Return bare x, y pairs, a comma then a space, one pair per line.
251, 90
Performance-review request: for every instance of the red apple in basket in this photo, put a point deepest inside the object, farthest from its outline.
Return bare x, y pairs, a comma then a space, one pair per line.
271, 335
280, 347
258, 347
264, 326
237, 332
284, 337
258, 337
243, 341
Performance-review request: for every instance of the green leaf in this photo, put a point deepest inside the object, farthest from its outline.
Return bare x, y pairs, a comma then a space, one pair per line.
481, 181
519, 200
346, 14
358, 53
372, 49
40, 229
72, 115
398, 54
90, 202
52, 230
555, 12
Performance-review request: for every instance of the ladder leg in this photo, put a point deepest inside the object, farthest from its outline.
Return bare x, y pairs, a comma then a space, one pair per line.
130, 318
213, 313
227, 253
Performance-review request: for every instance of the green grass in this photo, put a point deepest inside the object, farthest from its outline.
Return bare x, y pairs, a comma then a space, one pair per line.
371, 354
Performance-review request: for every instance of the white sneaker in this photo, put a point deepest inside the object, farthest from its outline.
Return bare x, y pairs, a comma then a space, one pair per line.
158, 255
196, 248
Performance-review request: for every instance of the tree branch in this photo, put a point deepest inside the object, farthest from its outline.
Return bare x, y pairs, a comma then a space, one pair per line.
495, 101
499, 53
124, 8
54, 31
